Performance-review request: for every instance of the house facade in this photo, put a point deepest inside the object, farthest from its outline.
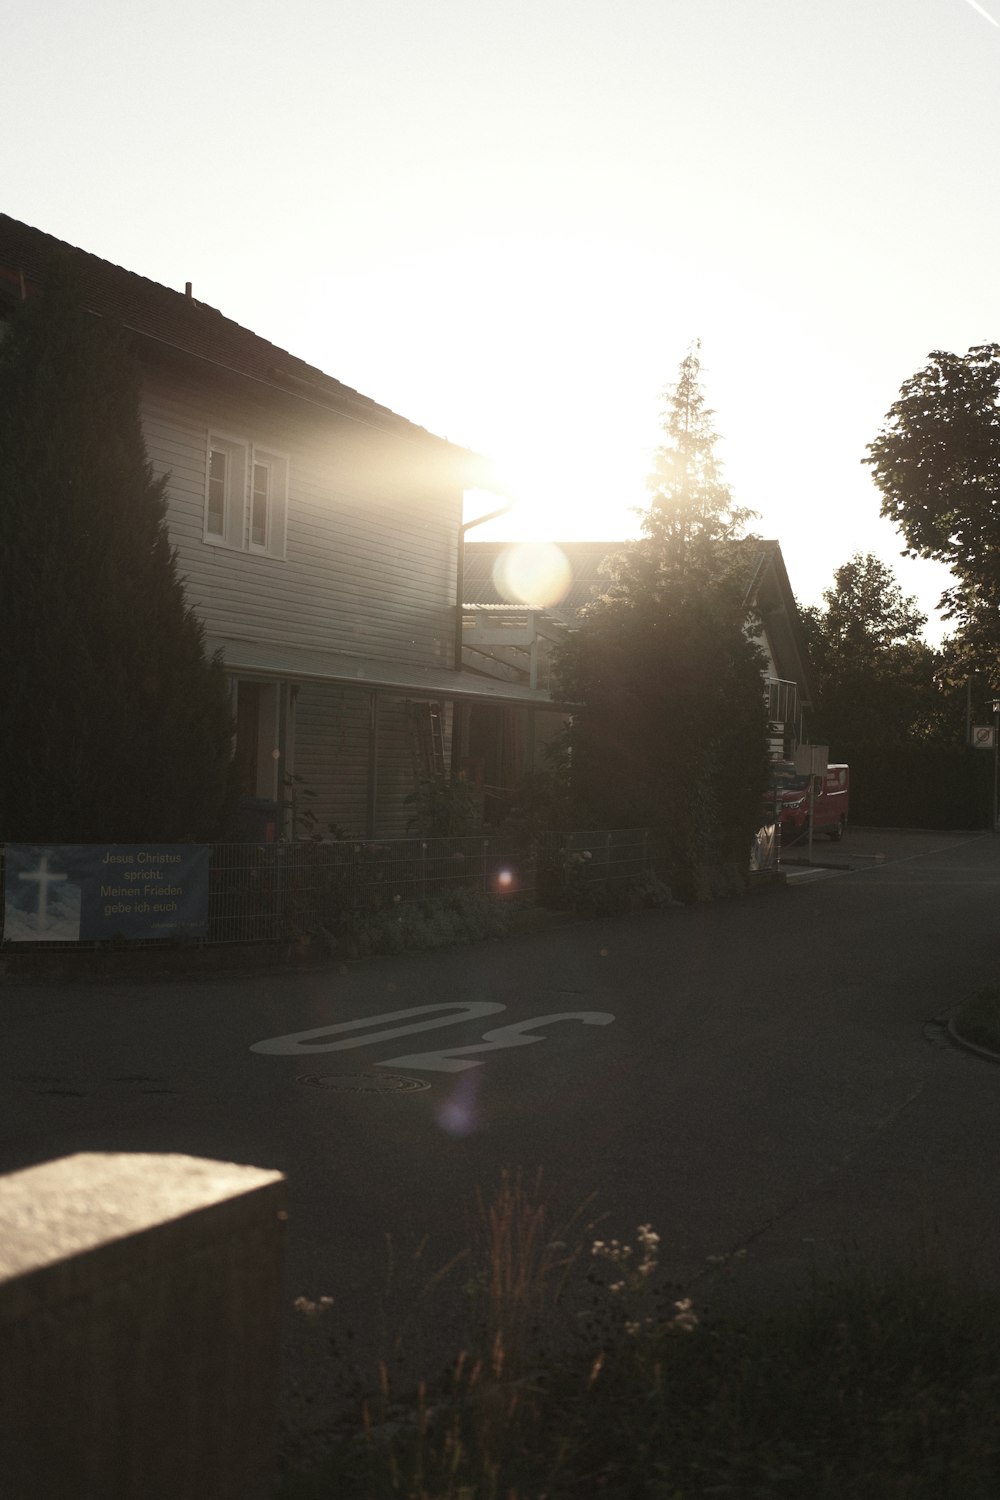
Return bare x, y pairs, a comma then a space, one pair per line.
518, 640
317, 533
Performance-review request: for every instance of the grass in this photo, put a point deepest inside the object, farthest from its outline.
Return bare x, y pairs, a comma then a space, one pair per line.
876, 1387
978, 1019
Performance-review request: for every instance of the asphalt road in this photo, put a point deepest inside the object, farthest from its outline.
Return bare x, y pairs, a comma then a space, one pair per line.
768, 1080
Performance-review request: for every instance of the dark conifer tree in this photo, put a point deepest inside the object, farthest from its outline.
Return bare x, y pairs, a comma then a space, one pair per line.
113, 725
672, 732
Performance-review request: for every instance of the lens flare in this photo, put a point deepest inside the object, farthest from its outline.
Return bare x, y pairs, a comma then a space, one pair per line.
533, 573
505, 879
458, 1115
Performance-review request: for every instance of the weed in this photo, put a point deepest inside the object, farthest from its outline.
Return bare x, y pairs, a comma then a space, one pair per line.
880, 1386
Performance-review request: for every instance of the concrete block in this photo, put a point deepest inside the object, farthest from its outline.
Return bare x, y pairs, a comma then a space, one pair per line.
139, 1315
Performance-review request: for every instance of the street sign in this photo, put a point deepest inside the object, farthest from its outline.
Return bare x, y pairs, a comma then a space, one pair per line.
810, 760
983, 736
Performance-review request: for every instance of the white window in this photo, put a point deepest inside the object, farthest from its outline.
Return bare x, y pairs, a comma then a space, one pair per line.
268, 503
246, 496
225, 491
218, 484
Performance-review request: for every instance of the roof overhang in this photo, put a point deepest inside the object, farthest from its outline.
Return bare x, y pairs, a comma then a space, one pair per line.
398, 678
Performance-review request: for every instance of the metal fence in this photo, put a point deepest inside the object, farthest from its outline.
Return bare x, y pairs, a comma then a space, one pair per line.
598, 858
262, 893
265, 892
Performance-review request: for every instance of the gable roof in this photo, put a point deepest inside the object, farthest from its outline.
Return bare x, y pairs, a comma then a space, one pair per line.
178, 322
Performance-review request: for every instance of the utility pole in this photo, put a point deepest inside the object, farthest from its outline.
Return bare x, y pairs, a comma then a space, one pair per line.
996, 759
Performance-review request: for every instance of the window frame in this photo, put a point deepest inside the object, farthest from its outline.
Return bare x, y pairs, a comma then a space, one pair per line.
276, 515
242, 459
237, 451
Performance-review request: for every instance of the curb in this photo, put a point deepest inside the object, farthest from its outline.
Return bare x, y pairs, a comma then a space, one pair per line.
808, 875
163, 965
960, 1040
169, 965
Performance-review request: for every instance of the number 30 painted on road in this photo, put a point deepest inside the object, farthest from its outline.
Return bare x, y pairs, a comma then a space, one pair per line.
448, 1060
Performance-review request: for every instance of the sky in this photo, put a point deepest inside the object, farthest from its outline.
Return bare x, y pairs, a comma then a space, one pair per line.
509, 221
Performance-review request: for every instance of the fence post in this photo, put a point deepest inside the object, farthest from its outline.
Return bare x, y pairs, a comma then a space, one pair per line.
423, 869
280, 885
486, 844
123, 1274
607, 878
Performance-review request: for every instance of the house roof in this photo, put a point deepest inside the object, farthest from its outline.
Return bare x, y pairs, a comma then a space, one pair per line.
768, 591
178, 322
401, 679
588, 576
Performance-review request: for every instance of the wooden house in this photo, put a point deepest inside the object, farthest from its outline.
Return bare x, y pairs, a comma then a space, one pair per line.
318, 536
516, 639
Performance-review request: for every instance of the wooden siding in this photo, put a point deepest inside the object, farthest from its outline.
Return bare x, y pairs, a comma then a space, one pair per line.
370, 561
331, 756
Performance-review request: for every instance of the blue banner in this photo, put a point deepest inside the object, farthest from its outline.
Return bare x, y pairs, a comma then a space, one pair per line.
73, 893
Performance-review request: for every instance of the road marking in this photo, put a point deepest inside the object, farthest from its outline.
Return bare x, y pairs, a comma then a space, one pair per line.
447, 1060
515, 1035
298, 1042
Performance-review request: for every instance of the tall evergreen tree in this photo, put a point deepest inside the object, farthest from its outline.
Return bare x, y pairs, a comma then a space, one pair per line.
691, 517
673, 732
114, 726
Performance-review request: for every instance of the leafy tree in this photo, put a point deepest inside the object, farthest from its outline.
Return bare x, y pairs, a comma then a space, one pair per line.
893, 706
673, 729
937, 464
114, 725
878, 679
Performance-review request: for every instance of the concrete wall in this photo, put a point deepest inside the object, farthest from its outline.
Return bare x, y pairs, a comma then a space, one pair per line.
139, 1302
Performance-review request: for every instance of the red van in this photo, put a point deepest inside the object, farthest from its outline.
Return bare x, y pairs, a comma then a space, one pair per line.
791, 789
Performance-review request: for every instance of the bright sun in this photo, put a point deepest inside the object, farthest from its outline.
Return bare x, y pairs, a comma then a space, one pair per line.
535, 573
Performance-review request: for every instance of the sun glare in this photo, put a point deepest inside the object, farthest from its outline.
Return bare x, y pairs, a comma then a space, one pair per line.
535, 573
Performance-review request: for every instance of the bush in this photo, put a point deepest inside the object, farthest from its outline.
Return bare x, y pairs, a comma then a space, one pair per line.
446, 807
918, 785
459, 915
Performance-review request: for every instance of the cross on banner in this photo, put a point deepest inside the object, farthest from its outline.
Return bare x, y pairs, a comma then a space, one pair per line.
45, 877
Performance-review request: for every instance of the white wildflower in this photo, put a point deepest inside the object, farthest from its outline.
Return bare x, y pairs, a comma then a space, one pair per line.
685, 1318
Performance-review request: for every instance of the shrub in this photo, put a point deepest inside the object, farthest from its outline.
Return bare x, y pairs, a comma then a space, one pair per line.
459, 915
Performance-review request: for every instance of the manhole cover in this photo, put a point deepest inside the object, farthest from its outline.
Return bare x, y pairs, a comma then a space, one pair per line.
936, 1032
364, 1083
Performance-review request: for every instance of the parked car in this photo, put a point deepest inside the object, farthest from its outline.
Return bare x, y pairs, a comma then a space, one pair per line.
788, 793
